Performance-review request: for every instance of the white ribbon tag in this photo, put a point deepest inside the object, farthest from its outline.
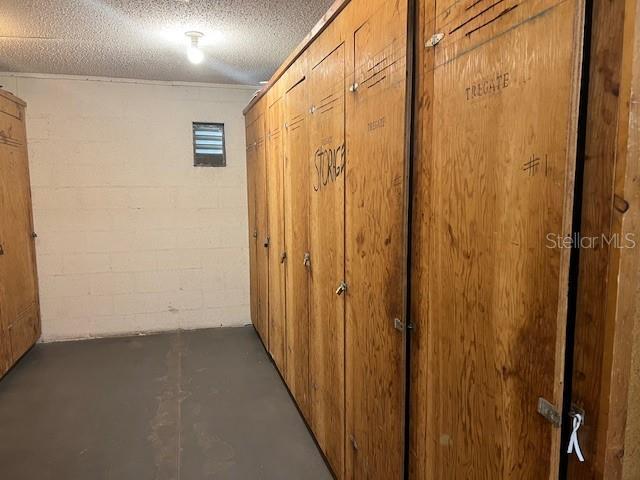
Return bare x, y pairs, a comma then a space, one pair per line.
573, 441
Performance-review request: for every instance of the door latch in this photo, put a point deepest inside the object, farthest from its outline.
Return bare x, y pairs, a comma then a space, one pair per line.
577, 416
548, 411
306, 260
434, 40
341, 288
398, 324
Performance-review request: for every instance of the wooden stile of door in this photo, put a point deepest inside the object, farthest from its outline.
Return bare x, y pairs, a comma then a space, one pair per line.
277, 255
489, 282
375, 247
296, 203
262, 227
326, 184
253, 230
19, 304
606, 368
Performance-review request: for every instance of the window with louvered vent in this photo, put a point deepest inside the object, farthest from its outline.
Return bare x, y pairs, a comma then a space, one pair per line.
208, 145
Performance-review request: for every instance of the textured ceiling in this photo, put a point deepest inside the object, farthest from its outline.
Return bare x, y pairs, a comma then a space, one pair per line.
245, 41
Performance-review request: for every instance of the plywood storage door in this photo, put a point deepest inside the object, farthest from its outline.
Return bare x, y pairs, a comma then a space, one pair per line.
501, 158
327, 162
375, 246
275, 167
296, 195
19, 306
262, 251
253, 230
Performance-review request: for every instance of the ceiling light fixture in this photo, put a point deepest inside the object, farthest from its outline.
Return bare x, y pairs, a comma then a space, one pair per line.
194, 54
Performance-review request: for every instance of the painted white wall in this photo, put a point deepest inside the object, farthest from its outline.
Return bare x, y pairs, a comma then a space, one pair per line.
131, 236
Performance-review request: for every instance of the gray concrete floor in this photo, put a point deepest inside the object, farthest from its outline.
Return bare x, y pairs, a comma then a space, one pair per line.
204, 404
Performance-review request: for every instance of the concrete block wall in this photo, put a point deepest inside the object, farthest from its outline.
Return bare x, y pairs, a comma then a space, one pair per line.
131, 236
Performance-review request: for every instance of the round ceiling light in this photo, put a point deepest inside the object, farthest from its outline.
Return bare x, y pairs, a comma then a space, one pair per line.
194, 54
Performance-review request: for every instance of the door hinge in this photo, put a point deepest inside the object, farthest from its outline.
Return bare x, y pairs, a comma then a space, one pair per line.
312, 110
354, 443
549, 411
434, 40
266, 242
341, 288
255, 234
283, 257
34, 235
306, 260
354, 87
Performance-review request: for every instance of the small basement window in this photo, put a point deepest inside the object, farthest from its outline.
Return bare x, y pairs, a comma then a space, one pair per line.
208, 145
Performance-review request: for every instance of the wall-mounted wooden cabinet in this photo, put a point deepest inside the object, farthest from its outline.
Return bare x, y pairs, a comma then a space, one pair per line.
421, 159
19, 305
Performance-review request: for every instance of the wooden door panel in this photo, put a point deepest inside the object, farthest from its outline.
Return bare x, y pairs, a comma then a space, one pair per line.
12, 129
275, 166
253, 231
5, 318
296, 194
500, 151
262, 251
375, 247
20, 309
326, 142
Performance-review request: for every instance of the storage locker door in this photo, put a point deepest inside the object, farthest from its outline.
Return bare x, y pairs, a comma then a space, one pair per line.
20, 309
253, 231
262, 257
296, 194
327, 255
275, 166
375, 248
5, 341
502, 145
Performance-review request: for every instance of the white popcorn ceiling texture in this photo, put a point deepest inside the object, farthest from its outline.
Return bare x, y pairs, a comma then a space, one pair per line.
245, 41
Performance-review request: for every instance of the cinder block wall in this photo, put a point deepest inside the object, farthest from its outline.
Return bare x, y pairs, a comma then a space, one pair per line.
132, 237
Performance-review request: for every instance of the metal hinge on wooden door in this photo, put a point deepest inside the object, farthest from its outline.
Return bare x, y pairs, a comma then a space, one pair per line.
266, 242
306, 260
341, 288
283, 257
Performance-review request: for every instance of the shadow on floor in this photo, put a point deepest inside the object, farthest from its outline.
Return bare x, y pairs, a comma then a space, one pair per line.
191, 405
